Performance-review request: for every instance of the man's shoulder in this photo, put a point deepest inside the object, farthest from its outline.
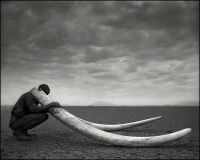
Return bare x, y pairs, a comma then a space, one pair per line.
28, 95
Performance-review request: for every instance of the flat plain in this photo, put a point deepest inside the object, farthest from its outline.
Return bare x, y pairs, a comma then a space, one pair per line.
55, 141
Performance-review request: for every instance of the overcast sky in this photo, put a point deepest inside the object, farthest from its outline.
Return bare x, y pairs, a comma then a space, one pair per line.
125, 53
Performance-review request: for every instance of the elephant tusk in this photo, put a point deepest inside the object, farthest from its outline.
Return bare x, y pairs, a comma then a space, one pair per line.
115, 127
100, 135
115, 139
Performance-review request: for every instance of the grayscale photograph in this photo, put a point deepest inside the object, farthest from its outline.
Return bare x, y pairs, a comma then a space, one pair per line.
99, 79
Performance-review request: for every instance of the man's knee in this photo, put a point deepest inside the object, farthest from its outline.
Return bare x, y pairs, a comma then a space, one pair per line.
46, 116
30, 120
43, 116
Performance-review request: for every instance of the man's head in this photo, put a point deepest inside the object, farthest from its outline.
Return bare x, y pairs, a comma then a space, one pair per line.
45, 88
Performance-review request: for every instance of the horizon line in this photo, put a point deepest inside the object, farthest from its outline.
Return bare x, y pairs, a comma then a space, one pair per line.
65, 105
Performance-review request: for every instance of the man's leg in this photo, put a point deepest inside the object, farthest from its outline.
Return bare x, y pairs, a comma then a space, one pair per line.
21, 126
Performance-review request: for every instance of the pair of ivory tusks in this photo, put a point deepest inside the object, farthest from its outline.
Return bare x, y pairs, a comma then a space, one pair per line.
115, 127
78, 125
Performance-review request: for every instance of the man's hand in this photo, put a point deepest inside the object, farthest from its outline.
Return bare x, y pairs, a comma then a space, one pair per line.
54, 104
38, 109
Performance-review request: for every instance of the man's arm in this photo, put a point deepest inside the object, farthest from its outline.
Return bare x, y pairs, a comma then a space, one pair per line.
34, 108
43, 109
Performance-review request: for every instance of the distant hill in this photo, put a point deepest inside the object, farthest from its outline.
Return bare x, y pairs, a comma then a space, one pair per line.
102, 103
189, 103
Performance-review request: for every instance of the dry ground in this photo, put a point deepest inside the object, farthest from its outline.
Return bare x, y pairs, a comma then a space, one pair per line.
56, 141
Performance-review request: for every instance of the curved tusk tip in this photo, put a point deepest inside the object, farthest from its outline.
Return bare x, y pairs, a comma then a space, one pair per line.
159, 117
188, 130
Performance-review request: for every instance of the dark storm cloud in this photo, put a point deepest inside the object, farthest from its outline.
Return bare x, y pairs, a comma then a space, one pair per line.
154, 15
167, 23
98, 48
23, 19
36, 28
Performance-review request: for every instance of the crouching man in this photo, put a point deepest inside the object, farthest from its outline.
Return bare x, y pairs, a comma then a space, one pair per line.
27, 114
